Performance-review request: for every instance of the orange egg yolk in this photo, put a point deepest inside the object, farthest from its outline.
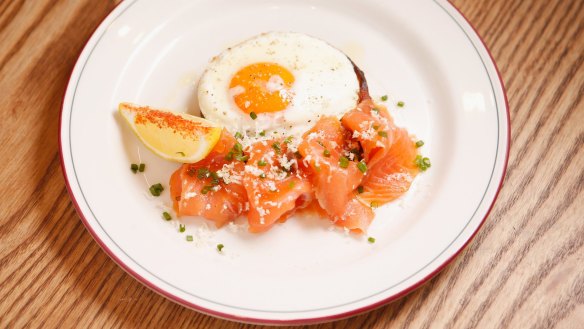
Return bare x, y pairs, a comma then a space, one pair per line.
262, 87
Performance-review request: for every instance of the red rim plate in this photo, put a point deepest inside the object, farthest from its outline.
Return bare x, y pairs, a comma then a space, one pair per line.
314, 320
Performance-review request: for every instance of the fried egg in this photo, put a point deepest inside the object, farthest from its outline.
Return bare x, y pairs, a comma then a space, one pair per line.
277, 83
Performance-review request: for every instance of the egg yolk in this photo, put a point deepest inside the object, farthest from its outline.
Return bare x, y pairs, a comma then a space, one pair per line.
262, 87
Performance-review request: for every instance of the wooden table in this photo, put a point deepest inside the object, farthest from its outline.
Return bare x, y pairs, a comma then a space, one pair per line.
524, 269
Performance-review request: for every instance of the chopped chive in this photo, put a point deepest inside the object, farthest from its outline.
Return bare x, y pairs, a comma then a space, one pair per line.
242, 158
374, 204
156, 189
343, 162
142, 167
420, 143
202, 173
236, 153
291, 184
418, 161
215, 180
263, 133
238, 135
426, 162
262, 163
166, 216
189, 238
262, 175
288, 140
400, 104
422, 163
181, 228
277, 148
206, 189
360, 189
191, 171
375, 127
362, 166
317, 167
326, 153
134, 168
181, 153
371, 239
382, 133
384, 98
320, 143
220, 247
375, 110
253, 115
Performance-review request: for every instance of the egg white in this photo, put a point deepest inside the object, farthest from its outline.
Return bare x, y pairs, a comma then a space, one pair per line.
325, 83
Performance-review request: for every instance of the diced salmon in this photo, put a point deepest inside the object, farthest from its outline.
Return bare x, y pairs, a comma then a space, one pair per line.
322, 147
269, 182
274, 185
195, 192
393, 174
356, 217
373, 127
314, 209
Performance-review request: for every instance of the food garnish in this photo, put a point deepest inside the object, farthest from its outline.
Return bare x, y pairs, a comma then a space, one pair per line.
177, 137
276, 143
156, 189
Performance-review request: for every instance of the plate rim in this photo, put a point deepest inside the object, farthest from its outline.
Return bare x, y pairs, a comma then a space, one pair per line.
298, 321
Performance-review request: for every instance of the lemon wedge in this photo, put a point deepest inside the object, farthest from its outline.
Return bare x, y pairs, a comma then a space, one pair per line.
176, 137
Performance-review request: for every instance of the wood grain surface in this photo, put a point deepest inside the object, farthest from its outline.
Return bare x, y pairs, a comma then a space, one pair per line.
525, 268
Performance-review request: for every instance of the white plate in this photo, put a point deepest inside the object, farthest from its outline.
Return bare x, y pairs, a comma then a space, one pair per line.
152, 52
